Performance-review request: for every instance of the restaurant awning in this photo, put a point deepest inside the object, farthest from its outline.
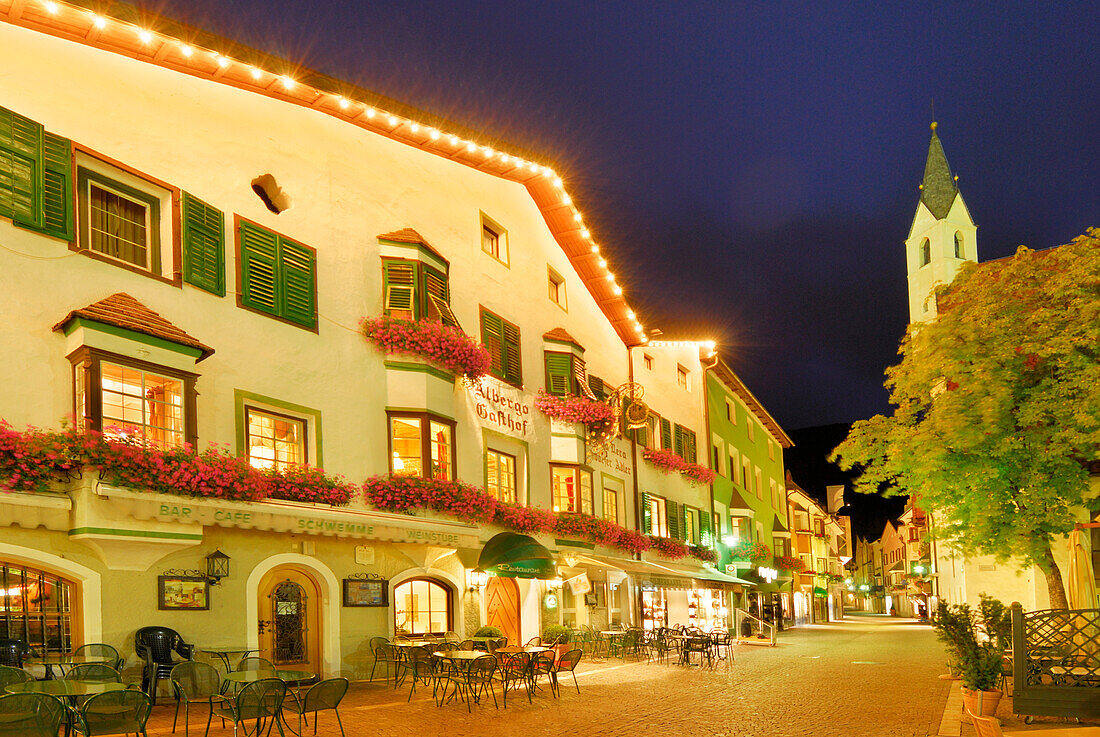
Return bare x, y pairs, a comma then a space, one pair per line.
513, 555
818, 591
701, 573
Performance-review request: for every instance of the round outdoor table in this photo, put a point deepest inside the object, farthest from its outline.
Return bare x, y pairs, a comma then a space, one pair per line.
251, 676
49, 661
414, 643
225, 652
461, 654
65, 689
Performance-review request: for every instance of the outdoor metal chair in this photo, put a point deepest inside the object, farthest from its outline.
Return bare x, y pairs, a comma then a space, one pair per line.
114, 712
418, 663
257, 701
512, 670
255, 662
319, 697
542, 664
194, 681
12, 652
386, 654
568, 662
466, 645
534, 642
98, 672
451, 636
10, 676
478, 677
158, 646
101, 650
30, 715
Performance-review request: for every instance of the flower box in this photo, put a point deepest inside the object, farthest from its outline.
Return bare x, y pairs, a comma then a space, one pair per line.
445, 346
569, 408
669, 462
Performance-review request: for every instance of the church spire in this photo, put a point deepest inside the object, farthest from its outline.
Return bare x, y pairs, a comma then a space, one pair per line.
939, 188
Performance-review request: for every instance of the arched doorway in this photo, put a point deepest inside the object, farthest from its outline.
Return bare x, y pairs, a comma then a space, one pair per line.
289, 626
422, 606
502, 607
39, 607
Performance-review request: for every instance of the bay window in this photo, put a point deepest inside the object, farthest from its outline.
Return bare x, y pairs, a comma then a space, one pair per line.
132, 400
421, 444
571, 488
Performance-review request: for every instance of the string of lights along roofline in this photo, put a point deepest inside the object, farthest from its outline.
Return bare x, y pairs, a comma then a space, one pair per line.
355, 108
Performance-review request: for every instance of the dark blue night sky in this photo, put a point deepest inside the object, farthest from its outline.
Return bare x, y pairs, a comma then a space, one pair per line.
750, 169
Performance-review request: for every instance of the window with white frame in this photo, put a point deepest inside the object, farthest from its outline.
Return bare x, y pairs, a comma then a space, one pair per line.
750, 429
275, 441
691, 525
746, 474
731, 412
658, 516
759, 483
555, 285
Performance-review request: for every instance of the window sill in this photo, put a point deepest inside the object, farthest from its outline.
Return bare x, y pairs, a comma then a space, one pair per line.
176, 281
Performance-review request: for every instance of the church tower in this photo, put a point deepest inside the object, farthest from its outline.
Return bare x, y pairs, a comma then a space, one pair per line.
942, 236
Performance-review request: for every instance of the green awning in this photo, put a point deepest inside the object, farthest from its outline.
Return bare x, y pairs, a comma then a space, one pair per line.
818, 591
513, 555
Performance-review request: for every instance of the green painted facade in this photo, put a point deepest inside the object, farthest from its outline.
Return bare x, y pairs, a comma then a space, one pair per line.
732, 442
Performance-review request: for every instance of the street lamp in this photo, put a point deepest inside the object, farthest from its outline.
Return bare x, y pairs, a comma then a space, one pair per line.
217, 566
478, 579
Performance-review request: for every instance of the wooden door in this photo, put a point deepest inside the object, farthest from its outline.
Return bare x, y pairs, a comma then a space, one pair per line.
289, 624
502, 607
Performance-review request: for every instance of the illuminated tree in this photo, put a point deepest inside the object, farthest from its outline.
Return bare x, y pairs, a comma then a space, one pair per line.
997, 407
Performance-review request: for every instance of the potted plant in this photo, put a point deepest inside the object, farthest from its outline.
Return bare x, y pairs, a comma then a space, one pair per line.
976, 642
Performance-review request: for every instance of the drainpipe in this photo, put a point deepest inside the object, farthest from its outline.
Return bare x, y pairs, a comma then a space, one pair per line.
638, 517
710, 448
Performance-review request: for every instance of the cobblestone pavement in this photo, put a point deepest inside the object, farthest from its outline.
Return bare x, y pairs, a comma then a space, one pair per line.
869, 675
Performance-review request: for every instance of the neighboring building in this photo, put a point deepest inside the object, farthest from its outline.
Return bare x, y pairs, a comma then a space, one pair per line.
750, 499
821, 541
867, 577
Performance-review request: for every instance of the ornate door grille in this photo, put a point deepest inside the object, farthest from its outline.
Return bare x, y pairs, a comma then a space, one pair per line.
288, 617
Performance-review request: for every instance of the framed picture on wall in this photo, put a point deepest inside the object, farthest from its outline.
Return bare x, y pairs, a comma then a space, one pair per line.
366, 592
183, 592
590, 599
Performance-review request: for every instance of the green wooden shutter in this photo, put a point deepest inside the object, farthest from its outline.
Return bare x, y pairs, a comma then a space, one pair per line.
492, 335
559, 368
666, 434
399, 288
674, 513
647, 514
690, 454
705, 537
298, 279
57, 192
678, 440
512, 366
580, 384
21, 169
599, 389
259, 266
203, 245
